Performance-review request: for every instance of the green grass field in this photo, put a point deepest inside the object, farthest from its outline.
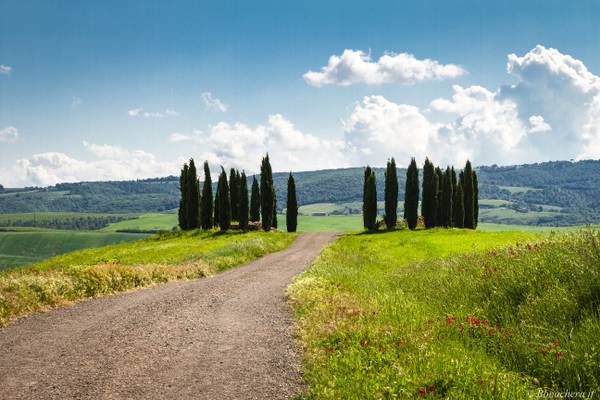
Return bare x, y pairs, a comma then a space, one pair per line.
145, 222
450, 314
124, 266
26, 247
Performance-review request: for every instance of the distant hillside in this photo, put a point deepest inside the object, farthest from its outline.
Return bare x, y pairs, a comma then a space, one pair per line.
551, 193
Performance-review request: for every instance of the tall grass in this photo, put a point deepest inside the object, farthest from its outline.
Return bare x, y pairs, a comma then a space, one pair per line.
125, 266
498, 323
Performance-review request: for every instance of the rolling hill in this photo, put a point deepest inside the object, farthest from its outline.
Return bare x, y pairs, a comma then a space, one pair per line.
550, 193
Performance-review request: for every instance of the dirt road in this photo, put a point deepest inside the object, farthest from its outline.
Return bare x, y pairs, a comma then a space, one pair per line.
224, 337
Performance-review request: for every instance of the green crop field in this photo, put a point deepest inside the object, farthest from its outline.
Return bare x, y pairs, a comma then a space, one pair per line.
450, 314
26, 247
145, 222
119, 267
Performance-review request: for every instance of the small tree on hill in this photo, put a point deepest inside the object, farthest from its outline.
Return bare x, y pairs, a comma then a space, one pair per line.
255, 201
370, 205
391, 194
291, 216
411, 195
243, 209
207, 200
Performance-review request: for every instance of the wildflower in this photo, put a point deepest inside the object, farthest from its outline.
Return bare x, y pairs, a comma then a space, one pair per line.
476, 322
530, 246
422, 391
559, 355
401, 342
431, 388
486, 322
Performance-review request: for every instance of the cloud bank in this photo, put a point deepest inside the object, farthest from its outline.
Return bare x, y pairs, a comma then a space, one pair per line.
552, 112
355, 66
212, 103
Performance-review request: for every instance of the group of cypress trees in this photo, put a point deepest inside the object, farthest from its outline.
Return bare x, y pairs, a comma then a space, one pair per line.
447, 201
231, 203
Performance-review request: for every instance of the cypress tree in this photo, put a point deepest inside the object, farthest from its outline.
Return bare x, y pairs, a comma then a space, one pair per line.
459, 216
216, 207
243, 209
267, 194
207, 200
291, 215
439, 184
255, 201
370, 206
446, 202
234, 194
274, 222
411, 195
368, 172
428, 205
391, 194
224, 202
454, 194
468, 196
183, 203
475, 201
193, 188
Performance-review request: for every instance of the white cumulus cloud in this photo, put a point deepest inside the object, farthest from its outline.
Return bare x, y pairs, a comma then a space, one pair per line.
212, 103
10, 134
355, 66
538, 124
5, 69
139, 112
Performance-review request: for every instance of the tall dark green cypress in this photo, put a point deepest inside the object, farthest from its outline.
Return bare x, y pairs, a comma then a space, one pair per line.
428, 205
216, 207
391, 194
234, 194
207, 200
411, 195
475, 200
367, 174
291, 215
243, 201
267, 194
459, 216
468, 196
183, 203
446, 199
224, 202
439, 184
370, 206
454, 194
255, 201
274, 222
193, 188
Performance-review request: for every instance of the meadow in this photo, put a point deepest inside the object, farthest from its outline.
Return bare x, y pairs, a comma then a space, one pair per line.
124, 266
19, 246
450, 314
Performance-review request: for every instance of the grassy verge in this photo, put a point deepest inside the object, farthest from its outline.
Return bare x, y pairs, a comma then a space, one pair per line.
445, 314
120, 267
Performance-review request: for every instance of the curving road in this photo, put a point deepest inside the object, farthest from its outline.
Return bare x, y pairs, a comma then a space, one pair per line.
225, 337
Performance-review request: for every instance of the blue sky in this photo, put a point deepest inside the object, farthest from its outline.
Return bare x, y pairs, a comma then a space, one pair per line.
77, 69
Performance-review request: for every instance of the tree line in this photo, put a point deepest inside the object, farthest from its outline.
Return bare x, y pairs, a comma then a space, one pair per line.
199, 209
447, 199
